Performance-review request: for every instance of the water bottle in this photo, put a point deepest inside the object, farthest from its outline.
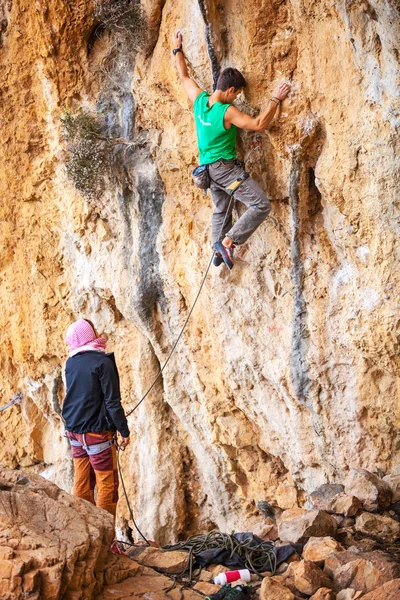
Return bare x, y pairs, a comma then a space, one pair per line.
229, 576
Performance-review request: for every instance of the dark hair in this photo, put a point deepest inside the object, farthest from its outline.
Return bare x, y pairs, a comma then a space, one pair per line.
230, 77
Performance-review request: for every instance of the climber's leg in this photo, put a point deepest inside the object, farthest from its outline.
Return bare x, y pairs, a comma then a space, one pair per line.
84, 477
223, 173
258, 209
106, 471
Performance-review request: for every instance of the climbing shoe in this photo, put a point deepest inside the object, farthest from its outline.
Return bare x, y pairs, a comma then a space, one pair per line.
239, 592
225, 254
217, 260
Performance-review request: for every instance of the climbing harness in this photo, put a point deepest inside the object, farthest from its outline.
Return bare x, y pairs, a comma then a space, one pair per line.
16, 399
91, 449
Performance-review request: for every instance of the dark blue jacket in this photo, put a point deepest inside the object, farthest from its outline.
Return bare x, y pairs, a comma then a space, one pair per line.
93, 400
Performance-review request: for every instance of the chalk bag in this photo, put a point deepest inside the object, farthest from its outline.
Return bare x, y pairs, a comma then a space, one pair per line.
201, 177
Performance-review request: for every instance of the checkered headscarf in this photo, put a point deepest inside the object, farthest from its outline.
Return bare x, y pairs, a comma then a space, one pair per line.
81, 338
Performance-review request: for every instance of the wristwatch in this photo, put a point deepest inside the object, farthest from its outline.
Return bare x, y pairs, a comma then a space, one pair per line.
176, 50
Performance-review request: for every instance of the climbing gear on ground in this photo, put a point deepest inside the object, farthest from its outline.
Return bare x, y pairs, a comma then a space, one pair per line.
176, 50
93, 449
243, 550
239, 592
116, 548
230, 576
201, 177
16, 399
225, 253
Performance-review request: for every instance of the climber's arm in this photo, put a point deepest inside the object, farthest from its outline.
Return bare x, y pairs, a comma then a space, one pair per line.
233, 116
191, 87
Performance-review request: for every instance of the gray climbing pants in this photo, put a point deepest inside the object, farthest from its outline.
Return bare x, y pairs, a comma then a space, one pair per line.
222, 173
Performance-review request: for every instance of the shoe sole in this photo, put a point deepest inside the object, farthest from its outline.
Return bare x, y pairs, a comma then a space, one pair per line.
219, 247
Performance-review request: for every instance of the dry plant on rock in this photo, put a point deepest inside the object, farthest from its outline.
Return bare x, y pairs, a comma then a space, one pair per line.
89, 151
123, 17
86, 151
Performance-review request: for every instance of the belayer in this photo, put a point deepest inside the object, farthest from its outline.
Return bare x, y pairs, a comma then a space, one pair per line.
216, 121
92, 414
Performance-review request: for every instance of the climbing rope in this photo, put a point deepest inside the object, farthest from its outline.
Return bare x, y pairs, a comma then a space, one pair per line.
126, 498
256, 144
258, 558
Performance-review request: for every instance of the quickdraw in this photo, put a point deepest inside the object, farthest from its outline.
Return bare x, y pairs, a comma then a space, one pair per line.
16, 399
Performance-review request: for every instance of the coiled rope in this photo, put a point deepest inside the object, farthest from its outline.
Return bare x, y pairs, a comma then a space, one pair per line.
258, 558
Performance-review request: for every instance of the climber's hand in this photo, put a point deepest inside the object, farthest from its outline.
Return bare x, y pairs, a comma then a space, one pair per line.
282, 91
124, 442
177, 39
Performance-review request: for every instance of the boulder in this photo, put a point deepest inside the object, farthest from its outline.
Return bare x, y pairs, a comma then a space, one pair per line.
323, 594
287, 579
318, 549
373, 492
308, 577
345, 535
118, 568
173, 562
395, 508
363, 545
362, 571
294, 525
266, 529
388, 591
57, 544
271, 589
332, 499
393, 482
322, 496
378, 526
349, 594
206, 588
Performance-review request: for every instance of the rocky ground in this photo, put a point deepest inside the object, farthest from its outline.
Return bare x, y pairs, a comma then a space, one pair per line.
54, 546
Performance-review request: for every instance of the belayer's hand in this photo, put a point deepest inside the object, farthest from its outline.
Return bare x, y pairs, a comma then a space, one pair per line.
125, 441
281, 91
177, 39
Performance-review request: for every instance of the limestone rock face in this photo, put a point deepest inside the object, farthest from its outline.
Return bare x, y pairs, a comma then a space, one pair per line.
52, 545
286, 375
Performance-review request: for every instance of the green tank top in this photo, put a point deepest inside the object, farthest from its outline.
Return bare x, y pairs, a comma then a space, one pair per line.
214, 141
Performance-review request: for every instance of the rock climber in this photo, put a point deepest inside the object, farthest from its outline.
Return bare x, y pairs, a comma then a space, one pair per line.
216, 121
92, 413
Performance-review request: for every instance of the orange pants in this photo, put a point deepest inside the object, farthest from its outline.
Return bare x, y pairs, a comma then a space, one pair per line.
98, 471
